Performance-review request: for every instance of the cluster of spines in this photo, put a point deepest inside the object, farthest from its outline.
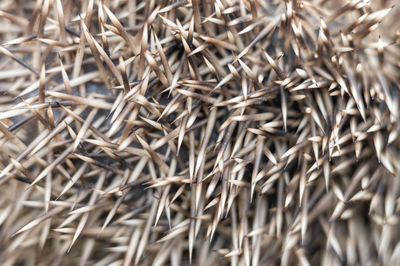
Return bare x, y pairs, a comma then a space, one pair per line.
242, 132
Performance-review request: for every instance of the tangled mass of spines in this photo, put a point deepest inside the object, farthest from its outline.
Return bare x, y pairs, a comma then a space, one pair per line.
199, 132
